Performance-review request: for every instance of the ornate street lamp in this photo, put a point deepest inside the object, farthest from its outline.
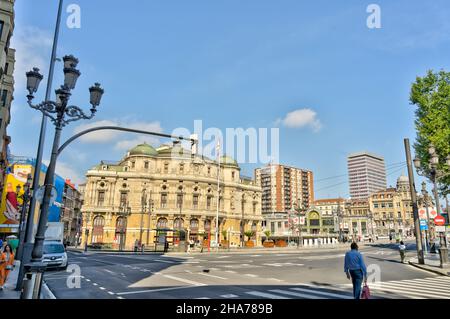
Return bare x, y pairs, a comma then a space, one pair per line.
60, 114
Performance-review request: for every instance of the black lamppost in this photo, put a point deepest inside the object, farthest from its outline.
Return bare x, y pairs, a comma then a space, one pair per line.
426, 201
434, 175
61, 114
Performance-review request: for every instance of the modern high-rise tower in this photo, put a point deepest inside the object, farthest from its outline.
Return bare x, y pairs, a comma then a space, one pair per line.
366, 173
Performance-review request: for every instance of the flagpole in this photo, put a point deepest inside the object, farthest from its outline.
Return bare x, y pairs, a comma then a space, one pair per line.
218, 196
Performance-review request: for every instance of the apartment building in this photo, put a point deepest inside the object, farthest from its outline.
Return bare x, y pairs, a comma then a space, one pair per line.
7, 61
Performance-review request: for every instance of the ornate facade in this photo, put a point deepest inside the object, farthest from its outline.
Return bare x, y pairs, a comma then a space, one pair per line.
168, 190
392, 209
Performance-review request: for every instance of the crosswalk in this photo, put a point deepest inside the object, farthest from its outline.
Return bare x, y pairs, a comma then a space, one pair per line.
426, 288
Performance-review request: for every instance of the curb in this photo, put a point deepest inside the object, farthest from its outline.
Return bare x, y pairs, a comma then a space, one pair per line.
46, 293
439, 272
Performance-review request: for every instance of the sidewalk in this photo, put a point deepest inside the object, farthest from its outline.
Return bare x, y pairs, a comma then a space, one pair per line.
10, 284
9, 291
234, 250
432, 264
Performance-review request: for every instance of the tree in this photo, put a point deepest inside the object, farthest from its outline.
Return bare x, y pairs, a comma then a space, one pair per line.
249, 234
267, 233
431, 95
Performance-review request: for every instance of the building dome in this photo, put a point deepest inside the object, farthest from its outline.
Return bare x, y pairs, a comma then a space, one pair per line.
227, 160
143, 149
403, 180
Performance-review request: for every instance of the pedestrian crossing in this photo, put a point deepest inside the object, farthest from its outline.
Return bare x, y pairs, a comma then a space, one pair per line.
426, 288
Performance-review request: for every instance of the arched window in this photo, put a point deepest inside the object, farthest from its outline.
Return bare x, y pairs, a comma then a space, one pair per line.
194, 225
121, 225
162, 223
207, 225
178, 223
97, 231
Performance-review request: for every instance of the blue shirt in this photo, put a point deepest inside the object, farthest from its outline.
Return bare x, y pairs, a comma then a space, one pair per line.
354, 261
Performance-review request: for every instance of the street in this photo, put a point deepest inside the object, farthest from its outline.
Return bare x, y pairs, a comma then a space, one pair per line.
273, 275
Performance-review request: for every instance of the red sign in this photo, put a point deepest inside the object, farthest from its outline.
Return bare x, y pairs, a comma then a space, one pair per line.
439, 221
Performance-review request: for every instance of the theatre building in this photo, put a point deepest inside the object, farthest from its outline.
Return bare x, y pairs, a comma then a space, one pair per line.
166, 195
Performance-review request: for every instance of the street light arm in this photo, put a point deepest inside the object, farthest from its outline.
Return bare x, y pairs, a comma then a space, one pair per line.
75, 113
118, 128
47, 108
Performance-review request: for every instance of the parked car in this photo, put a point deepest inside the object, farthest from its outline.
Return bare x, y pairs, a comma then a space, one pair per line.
54, 255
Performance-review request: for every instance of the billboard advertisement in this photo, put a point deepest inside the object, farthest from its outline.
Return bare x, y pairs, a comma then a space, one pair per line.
11, 202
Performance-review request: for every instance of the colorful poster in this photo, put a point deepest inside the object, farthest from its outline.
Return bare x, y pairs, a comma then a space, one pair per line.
10, 207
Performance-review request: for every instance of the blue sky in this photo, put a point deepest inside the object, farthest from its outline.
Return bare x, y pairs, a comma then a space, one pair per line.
238, 64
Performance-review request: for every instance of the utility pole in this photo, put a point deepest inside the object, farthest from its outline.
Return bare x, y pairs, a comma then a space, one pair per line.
412, 189
29, 227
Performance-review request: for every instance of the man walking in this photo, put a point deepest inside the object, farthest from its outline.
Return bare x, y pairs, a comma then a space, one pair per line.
355, 269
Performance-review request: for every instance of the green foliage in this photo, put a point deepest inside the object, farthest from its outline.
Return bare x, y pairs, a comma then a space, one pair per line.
249, 234
431, 95
224, 234
267, 233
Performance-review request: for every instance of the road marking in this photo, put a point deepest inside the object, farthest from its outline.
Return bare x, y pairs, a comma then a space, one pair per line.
229, 296
404, 289
102, 288
221, 257
95, 284
191, 262
109, 271
203, 298
295, 294
265, 295
88, 280
120, 297
255, 255
323, 293
166, 261
251, 275
153, 290
230, 271
111, 293
185, 280
208, 275
274, 279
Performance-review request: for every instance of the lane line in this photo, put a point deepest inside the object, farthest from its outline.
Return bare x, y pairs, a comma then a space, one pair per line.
153, 290
295, 294
265, 295
185, 280
213, 276
229, 296
323, 293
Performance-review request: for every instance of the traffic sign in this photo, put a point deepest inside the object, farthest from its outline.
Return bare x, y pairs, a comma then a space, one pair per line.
440, 229
423, 224
439, 221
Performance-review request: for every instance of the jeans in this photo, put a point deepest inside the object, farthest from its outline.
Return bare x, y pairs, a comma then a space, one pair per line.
357, 279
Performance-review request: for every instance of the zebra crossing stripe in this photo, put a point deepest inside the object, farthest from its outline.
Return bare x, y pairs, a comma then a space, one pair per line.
401, 289
329, 294
419, 286
265, 295
295, 294
229, 296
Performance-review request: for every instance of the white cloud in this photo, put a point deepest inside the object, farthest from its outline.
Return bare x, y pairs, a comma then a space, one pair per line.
301, 118
117, 137
67, 172
33, 48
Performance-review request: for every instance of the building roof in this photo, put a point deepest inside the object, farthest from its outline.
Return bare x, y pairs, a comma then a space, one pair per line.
227, 160
365, 153
144, 149
329, 200
403, 179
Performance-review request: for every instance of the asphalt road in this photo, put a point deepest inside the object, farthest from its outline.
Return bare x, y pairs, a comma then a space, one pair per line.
275, 275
